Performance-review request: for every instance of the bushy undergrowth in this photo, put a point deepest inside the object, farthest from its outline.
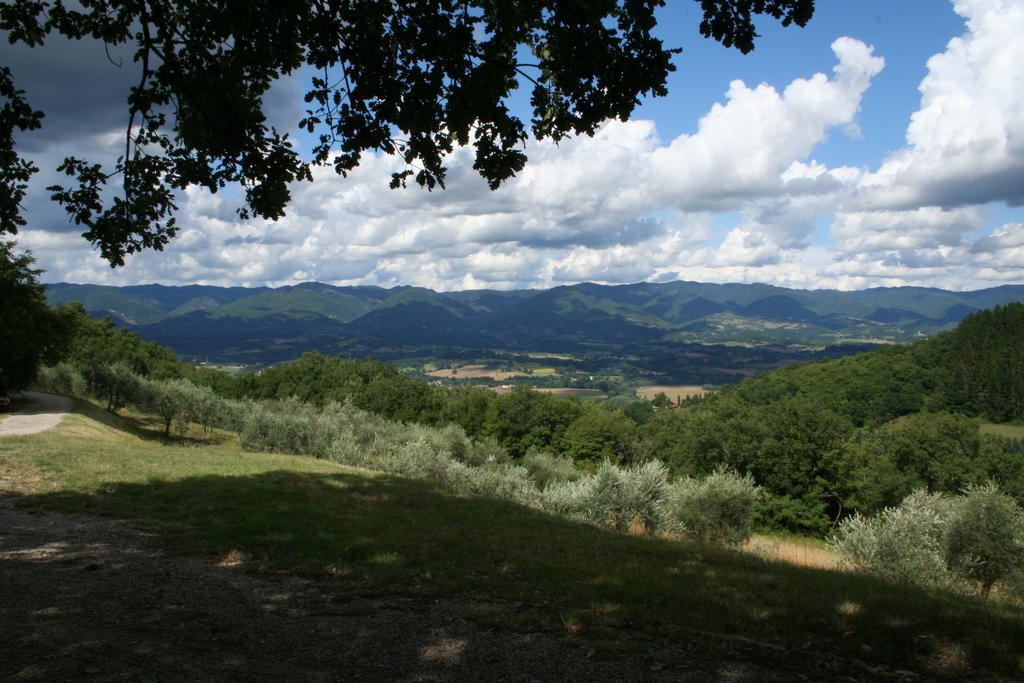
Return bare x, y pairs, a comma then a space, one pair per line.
716, 510
965, 543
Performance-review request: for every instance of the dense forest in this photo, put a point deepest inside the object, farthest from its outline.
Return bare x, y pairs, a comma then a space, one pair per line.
822, 439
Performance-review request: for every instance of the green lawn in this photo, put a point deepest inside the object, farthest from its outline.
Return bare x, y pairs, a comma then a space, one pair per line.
389, 533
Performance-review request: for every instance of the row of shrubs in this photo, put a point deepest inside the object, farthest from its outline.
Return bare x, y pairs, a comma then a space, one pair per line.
716, 509
964, 543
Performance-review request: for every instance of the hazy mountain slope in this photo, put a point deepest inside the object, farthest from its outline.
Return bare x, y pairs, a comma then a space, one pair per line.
264, 323
142, 304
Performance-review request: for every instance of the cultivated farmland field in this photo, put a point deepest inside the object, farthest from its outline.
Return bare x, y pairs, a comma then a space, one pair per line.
475, 372
569, 391
558, 391
672, 391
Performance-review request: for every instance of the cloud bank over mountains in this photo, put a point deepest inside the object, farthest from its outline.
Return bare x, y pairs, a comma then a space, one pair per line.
740, 200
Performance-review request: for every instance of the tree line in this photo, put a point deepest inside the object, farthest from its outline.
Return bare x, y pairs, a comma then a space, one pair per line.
823, 440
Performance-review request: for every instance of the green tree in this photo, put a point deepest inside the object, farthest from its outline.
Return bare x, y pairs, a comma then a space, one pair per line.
370, 384
467, 407
661, 400
98, 343
598, 434
787, 443
688, 441
940, 452
33, 333
983, 359
523, 419
640, 412
413, 79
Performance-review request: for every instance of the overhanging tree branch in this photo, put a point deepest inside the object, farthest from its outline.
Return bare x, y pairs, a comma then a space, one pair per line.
438, 72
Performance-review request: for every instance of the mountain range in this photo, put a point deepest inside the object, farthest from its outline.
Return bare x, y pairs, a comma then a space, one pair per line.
266, 325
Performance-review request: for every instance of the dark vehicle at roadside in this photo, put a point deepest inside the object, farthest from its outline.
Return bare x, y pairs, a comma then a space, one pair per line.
5, 402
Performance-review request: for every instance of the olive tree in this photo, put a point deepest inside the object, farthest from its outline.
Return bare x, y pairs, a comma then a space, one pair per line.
986, 537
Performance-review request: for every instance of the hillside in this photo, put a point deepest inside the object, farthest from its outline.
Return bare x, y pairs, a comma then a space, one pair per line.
264, 325
406, 581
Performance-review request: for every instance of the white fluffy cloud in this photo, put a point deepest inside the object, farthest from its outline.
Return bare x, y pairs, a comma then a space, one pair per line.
965, 145
740, 199
909, 220
617, 207
1001, 254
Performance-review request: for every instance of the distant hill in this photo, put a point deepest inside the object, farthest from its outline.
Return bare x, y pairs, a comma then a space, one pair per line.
265, 325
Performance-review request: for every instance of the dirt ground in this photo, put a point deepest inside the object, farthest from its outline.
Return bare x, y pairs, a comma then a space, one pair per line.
93, 599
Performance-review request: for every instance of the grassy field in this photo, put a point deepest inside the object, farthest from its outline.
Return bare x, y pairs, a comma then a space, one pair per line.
613, 592
1006, 431
805, 552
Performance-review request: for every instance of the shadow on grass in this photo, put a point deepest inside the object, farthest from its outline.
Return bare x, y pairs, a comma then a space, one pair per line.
27, 403
147, 427
400, 535
125, 424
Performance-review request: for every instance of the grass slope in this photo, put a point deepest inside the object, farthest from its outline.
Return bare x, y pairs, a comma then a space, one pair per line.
614, 593
1007, 431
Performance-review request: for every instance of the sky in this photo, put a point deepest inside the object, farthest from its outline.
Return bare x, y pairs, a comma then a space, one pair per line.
881, 145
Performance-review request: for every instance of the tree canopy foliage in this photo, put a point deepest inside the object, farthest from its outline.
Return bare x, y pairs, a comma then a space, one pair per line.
414, 78
984, 364
31, 333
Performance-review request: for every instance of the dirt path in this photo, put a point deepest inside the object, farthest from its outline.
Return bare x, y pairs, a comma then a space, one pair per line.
33, 412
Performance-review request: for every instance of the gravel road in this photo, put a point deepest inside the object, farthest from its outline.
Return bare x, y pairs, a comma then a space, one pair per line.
33, 412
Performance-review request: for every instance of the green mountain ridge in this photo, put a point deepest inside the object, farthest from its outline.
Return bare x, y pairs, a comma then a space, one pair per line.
289, 318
